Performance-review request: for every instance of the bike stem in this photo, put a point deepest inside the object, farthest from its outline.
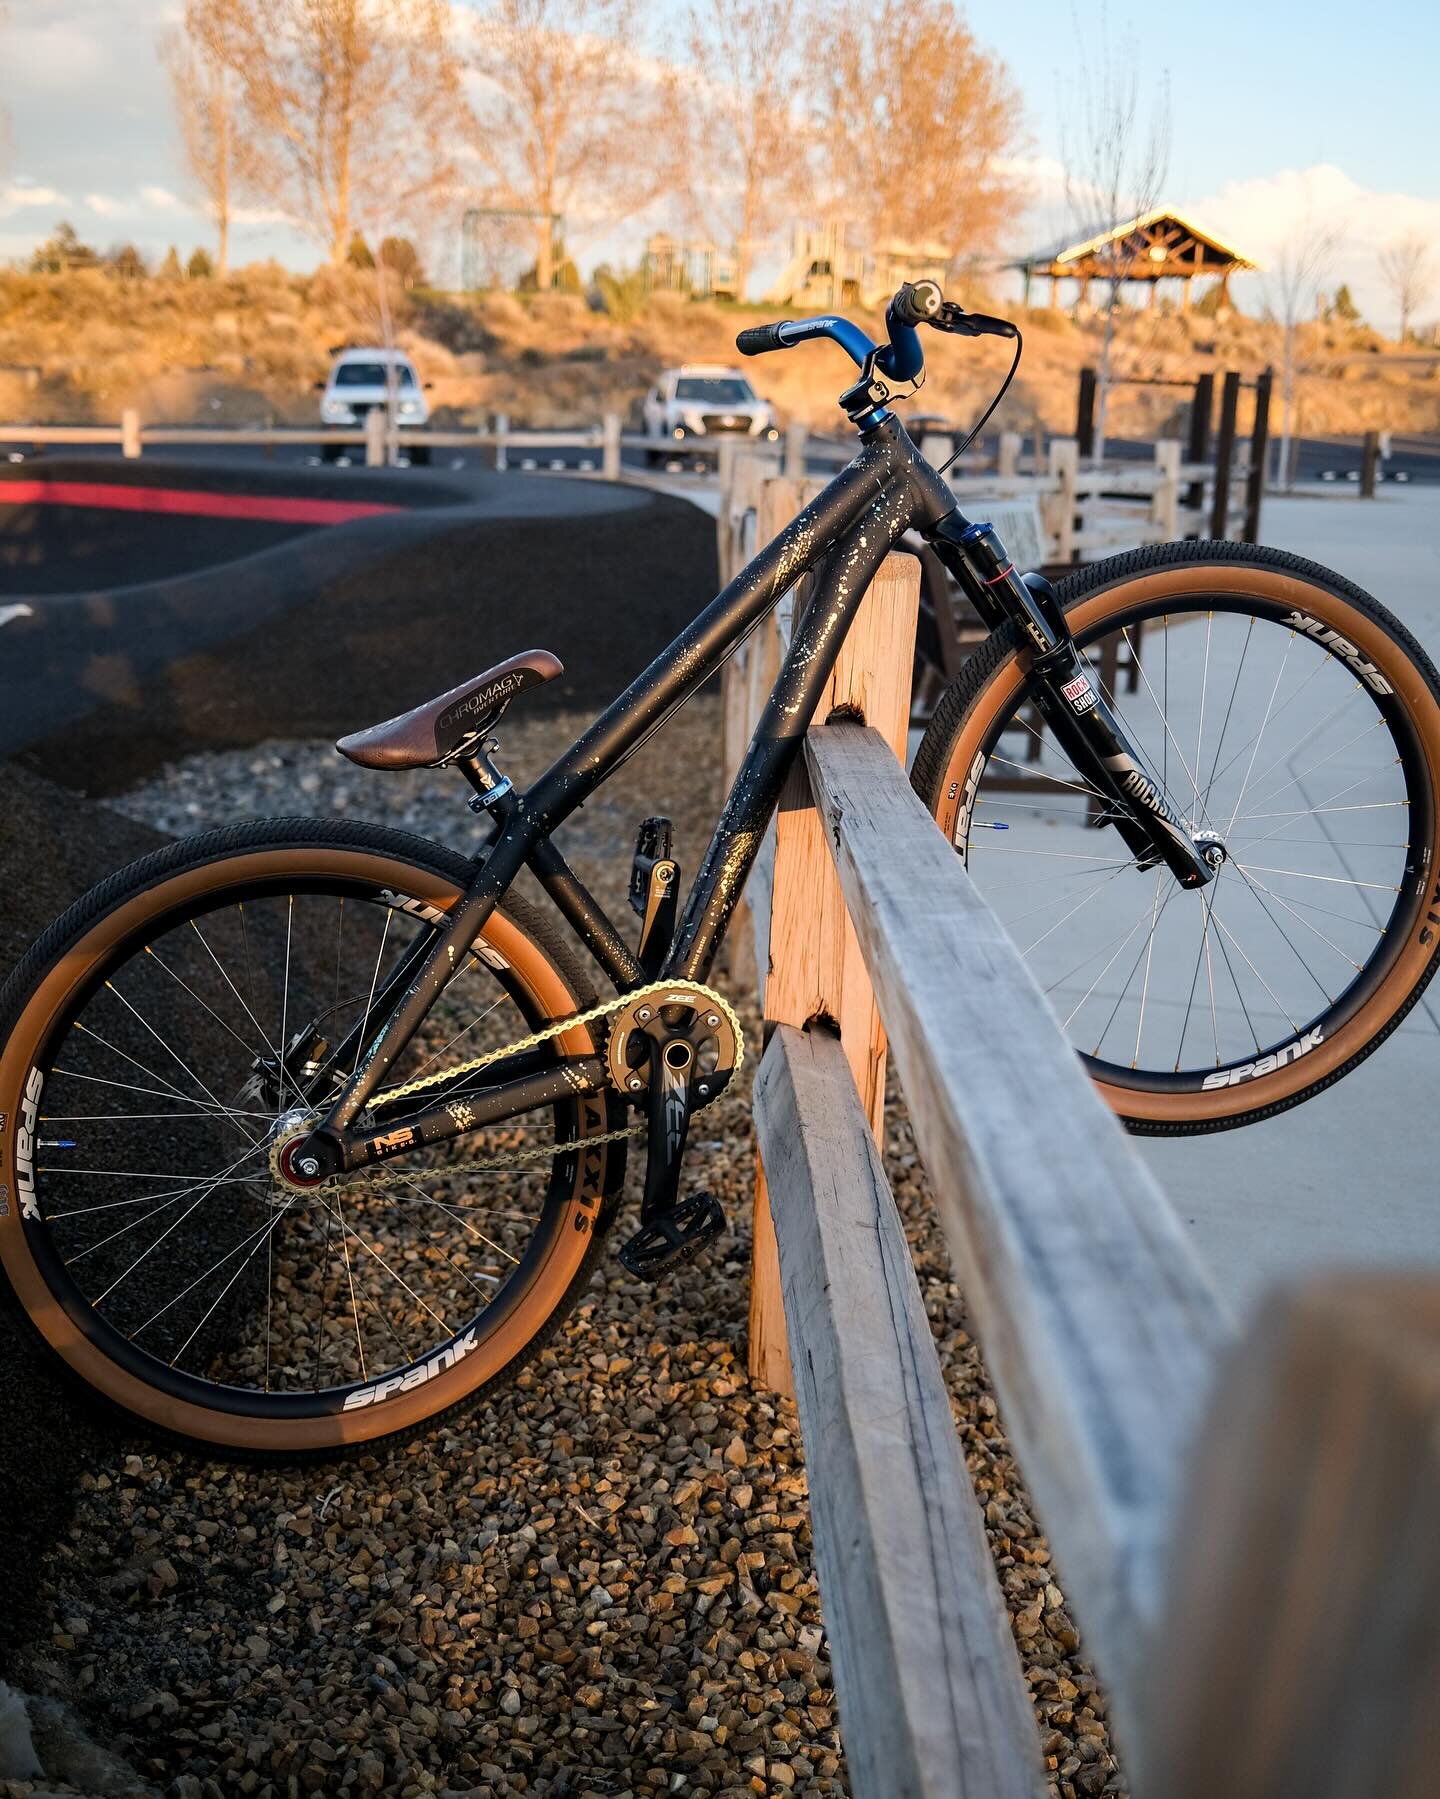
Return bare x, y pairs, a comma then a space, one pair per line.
1084, 723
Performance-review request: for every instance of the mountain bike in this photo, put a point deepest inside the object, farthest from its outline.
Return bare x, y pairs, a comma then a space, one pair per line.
313, 1130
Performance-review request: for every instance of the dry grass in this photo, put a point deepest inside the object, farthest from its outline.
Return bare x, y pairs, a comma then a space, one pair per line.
250, 349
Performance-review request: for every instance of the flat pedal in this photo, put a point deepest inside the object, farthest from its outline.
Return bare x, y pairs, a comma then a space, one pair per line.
674, 1237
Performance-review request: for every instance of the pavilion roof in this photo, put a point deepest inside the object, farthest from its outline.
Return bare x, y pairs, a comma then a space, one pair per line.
1193, 250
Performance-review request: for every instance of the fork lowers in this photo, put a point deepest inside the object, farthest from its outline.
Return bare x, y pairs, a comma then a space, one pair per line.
1078, 714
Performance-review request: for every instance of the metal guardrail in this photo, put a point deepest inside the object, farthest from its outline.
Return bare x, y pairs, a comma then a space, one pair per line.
1245, 1532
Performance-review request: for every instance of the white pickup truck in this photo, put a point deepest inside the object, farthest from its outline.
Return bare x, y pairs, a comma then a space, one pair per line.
705, 400
365, 378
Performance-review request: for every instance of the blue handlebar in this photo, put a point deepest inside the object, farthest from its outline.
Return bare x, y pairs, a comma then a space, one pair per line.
902, 358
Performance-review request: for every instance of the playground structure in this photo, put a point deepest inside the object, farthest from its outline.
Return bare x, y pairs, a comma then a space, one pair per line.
825, 272
689, 266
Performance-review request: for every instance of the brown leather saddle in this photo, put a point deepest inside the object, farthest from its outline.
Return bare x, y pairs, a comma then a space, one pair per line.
446, 728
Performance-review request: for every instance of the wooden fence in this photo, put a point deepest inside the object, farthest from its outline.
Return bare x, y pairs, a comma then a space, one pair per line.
1245, 1530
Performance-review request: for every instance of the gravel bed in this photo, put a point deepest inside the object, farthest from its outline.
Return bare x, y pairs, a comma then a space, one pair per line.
600, 1584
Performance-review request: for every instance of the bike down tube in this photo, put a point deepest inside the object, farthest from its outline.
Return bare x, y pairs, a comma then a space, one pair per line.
917, 496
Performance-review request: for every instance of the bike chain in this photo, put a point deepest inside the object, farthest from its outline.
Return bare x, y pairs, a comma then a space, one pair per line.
705, 996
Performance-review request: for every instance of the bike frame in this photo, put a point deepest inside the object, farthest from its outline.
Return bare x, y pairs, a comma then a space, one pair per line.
841, 538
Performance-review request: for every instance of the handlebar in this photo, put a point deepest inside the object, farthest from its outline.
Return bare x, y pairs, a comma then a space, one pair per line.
915, 303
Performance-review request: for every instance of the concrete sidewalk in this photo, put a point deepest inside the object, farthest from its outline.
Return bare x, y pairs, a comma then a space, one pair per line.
1353, 1176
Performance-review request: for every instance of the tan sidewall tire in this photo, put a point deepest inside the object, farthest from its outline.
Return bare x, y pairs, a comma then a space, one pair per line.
1178, 582
545, 985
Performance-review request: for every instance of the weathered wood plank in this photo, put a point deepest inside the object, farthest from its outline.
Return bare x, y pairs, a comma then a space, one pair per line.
932, 1700
1302, 1655
814, 966
1098, 1326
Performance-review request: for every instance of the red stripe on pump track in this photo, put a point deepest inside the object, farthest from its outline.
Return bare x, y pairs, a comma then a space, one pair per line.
113, 497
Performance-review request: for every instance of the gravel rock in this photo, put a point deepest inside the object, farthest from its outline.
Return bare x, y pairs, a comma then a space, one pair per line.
599, 1584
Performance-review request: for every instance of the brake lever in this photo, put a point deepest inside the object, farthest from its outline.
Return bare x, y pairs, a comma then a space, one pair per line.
953, 318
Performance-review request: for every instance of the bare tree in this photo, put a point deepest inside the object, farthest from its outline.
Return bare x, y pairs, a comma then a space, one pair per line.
1408, 273
351, 106
568, 114
916, 119
1116, 154
1298, 269
201, 59
746, 163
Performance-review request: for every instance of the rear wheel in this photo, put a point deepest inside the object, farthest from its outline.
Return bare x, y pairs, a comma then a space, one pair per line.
1293, 719
163, 1042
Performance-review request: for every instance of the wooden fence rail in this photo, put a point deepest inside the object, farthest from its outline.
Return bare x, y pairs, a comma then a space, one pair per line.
1245, 1533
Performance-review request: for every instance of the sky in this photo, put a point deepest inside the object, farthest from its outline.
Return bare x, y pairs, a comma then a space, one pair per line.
1281, 109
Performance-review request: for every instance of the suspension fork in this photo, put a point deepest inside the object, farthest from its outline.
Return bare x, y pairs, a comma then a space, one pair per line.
1084, 723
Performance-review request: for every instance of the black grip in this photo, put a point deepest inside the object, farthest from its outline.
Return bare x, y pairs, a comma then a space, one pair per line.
755, 340
917, 303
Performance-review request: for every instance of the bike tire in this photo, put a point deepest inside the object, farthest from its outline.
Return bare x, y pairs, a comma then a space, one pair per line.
548, 980
988, 694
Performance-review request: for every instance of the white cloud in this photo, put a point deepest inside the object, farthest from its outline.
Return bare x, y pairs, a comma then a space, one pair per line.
160, 199
21, 194
1259, 216
107, 206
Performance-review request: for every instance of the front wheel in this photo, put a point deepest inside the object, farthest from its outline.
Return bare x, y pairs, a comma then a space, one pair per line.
1291, 720
176, 1027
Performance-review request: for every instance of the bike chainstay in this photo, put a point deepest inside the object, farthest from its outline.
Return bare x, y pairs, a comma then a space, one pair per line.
557, 1028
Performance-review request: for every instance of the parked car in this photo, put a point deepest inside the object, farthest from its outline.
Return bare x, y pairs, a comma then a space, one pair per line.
705, 400
364, 378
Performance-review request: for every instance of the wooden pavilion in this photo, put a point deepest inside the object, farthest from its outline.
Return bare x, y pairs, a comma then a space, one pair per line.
1158, 246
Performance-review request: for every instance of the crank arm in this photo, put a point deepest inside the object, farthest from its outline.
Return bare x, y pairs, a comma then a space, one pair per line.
669, 1126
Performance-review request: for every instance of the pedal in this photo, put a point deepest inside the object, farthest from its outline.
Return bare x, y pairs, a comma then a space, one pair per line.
674, 1237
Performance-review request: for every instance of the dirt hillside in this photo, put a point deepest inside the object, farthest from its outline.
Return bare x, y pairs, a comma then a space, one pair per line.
249, 349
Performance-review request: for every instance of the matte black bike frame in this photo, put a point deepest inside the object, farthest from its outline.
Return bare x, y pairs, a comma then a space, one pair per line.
840, 538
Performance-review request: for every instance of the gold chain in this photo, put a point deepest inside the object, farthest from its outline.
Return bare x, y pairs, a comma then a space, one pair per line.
520, 1157
707, 995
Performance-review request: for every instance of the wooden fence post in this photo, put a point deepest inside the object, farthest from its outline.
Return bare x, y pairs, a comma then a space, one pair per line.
376, 427
1259, 456
1165, 508
502, 433
1008, 463
816, 968
1369, 464
1085, 413
1300, 1650
1198, 447
130, 433
1064, 465
796, 436
1224, 451
610, 446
